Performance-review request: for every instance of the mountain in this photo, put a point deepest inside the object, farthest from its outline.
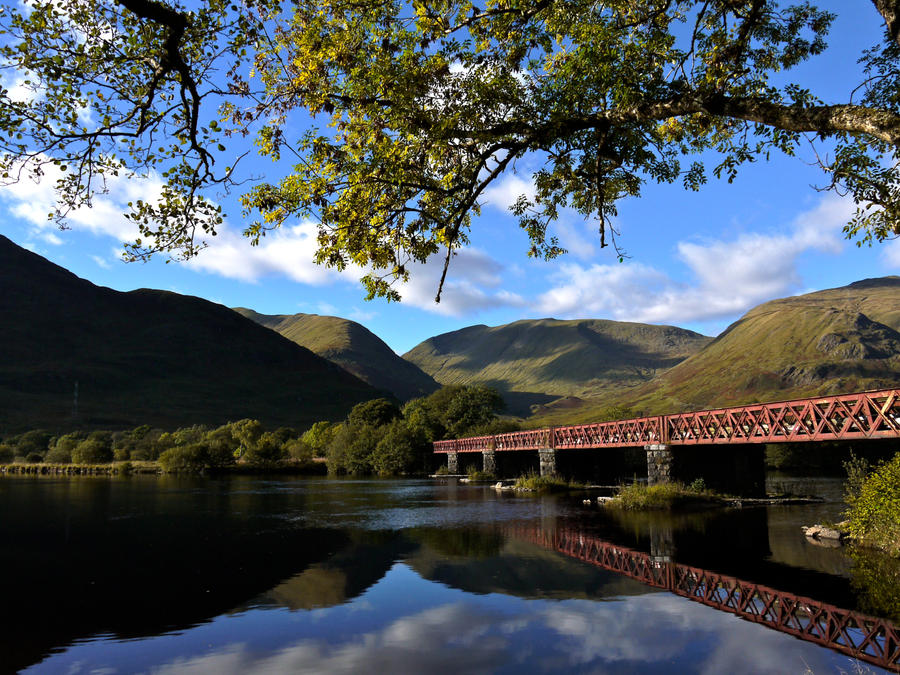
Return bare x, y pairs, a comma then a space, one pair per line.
828, 342
535, 361
353, 347
147, 357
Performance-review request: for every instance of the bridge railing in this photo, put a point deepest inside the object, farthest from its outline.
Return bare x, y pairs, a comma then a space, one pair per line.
870, 414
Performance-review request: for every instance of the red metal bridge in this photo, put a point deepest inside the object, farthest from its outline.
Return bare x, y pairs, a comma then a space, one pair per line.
864, 415
870, 639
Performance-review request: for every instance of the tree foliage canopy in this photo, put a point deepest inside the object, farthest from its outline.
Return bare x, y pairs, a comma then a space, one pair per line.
424, 104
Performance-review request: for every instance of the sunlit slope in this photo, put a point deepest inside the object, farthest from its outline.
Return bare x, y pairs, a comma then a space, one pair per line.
353, 347
829, 342
551, 358
147, 356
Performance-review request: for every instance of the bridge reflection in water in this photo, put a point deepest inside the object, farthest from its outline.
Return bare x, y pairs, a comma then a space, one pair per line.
867, 638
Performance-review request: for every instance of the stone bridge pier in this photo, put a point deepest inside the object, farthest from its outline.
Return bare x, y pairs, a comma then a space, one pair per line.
731, 469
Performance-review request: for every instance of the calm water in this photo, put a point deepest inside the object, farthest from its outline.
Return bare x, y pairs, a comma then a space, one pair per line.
247, 575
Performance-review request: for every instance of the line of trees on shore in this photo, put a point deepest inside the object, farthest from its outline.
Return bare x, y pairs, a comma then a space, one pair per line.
380, 438
191, 449
377, 437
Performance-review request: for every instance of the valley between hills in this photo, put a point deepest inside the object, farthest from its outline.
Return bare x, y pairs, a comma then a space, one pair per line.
156, 357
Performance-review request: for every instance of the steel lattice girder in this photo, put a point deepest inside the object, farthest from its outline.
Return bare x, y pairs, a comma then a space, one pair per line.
864, 415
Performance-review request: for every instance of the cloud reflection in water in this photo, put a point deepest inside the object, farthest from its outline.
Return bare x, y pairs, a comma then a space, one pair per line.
435, 629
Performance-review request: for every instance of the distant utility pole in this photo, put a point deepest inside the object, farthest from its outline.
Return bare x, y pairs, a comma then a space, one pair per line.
75, 402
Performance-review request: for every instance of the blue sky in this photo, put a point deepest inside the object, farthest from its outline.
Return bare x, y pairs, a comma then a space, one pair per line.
697, 260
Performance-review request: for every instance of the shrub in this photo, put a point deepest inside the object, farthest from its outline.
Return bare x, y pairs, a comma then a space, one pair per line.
121, 454
92, 451
359, 453
189, 435
247, 433
222, 446
267, 449
67, 443
874, 509
192, 458
7, 454
146, 443
284, 434
495, 426
534, 481
477, 475
318, 437
397, 451
33, 441
34, 458
857, 469
61, 453
299, 451
471, 407
660, 496
697, 485
104, 438
374, 413
336, 454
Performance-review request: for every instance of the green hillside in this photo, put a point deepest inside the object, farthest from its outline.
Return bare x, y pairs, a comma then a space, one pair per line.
536, 361
839, 340
147, 357
353, 347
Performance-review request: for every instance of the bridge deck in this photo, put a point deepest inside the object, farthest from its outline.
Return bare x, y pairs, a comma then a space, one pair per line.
864, 415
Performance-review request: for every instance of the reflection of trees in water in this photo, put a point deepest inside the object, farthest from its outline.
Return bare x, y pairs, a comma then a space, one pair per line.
486, 560
345, 575
876, 579
459, 542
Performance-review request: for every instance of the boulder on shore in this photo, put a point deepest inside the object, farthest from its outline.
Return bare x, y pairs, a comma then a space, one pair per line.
824, 535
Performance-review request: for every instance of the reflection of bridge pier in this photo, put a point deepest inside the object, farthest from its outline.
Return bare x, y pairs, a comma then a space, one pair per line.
662, 543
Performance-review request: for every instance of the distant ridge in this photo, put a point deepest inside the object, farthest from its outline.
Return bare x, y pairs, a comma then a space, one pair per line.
536, 361
353, 347
147, 356
829, 342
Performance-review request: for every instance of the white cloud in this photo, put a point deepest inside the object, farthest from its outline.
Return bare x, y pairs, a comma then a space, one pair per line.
326, 308
891, 254
101, 261
361, 315
639, 633
51, 238
472, 285
503, 193
31, 201
730, 275
286, 252
575, 233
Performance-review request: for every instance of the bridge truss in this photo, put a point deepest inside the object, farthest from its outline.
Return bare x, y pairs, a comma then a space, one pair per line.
864, 415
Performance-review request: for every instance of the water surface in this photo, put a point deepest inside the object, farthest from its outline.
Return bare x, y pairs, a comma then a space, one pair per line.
286, 575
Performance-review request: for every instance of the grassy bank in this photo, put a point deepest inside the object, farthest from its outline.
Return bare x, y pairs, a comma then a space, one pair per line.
638, 496
155, 468
532, 481
105, 469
